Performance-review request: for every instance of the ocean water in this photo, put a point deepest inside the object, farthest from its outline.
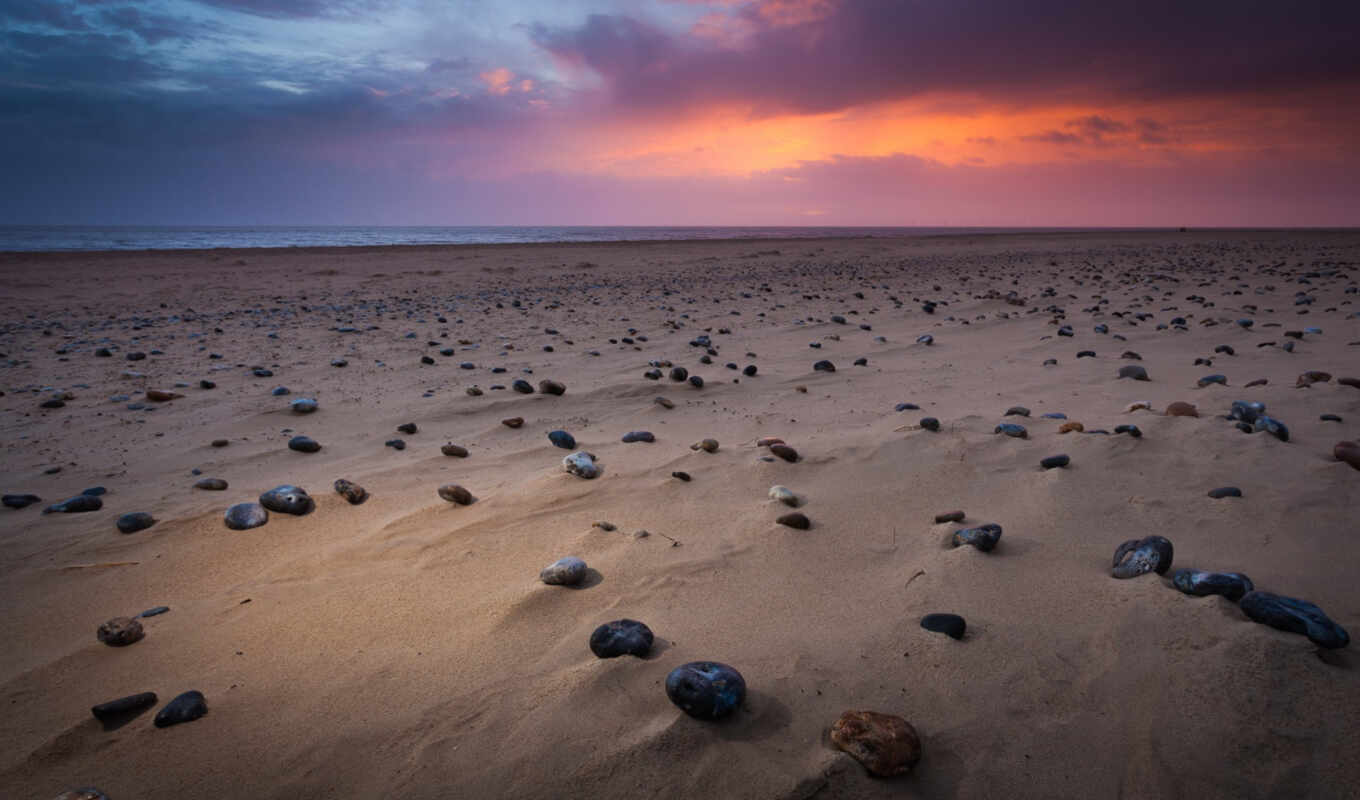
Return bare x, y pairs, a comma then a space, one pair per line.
32, 238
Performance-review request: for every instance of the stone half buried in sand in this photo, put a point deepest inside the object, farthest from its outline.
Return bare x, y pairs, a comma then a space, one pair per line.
582, 465
186, 707
622, 637
1140, 556
1181, 409
784, 495
79, 504
123, 707
135, 521
983, 537
1134, 372
951, 625
706, 689
1197, 582
885, 744
1295, 616
1349, 452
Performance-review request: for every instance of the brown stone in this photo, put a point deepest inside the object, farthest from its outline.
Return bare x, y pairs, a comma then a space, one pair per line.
1068, 427
160, 395
1181, 409
795, 520
513, 422
886, 745
1257, 382
766, 441
120, 632
664, 402
1311, 377
351, 491
454, 493
1348, 452
784, 451
707, 445
454, 450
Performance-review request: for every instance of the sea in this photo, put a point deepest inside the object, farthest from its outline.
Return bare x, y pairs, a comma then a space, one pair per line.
31, 238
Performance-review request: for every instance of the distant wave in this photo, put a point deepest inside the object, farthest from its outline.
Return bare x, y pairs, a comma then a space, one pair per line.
81, 238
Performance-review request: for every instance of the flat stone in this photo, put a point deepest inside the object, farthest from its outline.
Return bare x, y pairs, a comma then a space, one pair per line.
513, 422
1225, 491
211, 484
949, 516
186, 707
20, 500
886, 745
304, 444
79, 504
952, 625
454, 451
123, 708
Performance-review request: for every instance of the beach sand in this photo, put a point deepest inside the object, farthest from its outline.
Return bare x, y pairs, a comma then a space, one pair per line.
405, 647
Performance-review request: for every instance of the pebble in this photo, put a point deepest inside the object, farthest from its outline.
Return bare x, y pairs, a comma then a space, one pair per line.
983, 537
1055, 461
622, 637
1055, 415
120, 632
220, 442
1257, 382
664, 403
1221, 380
1272, 426
1311, 377
906, 407
1139, 556
706, 689
562, 439
20, 500
155, 611
522, 386
582, 465
1225, 491
784, 451
1133, 371
473, 391
949, 516
1180, 409
351, 491
1131, 430
244, 516
304, 444
604, 526
567, 571
683, 476
638, 436
395, 444
951, 625
706, 445
1011, 429
136, 521
679, 374
552, 387
408, 428
186, 707
123, 707
1329, 418
1138, 405
1294, 616
1068, 427
1349, 452
1086, 354
454, 493
453, 450
1016, 411
95, 491
784, 495
288, 499
930, 424
79, 504
925, 339
211, 484
696, 381
886, 745
824, 366
1232, 585
513, 422
795, 519
161, 396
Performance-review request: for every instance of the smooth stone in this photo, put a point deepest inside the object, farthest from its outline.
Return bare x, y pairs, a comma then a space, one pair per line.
351, 491
582, 465
154, 612
638, 436
949, 516
886, 745
925, 339
1133, 371
136, 521
221, 442
1055, 415
696, 381
930, 424
1055, 461
567, 571
79, 504
1246, 412
1221, 380
244, 516
683, 476
280, 391
1232, 585
454, 493
622, 637
304, 444
906, 407
1011, 429
1131, 430
123, 707
1225, 491
1348, 452
824, 366
706, 445
795, 520
20, 500
552, 388
288, 499
453, 450
408, 428
211, 484
1139, 556
784, 451
1272, 426
120, 632
395, 444
784, 495
1086, 354
983, 537
604, 525
951, 625
664, 402
1181, 409
1329, 418
749, 370
513, 422
95, 491
1294, 616
706, 689
679, 374
186, 707
522, 386
1016, 411
562, 439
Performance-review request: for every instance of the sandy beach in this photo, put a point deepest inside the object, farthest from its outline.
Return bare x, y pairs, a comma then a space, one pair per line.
406, 646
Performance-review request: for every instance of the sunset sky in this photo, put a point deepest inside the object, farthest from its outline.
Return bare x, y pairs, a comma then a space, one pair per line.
680, 112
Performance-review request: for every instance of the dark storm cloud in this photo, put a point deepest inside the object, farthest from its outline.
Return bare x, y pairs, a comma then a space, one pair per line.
297, 9
873, 50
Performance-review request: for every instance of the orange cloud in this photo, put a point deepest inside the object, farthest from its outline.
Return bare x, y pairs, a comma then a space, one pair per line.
497, 80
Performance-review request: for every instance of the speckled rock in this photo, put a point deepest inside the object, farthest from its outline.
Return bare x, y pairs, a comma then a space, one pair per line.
351, 491
456, 494
1181, 409
454, 450
784, 495
706, 445
983, 537
211, 484
622, 637
1069, 427
567, 571
582, 465
886, 745
1140, 556
288, 499
120, 632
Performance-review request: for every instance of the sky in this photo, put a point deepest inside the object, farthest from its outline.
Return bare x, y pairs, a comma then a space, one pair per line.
1136, 113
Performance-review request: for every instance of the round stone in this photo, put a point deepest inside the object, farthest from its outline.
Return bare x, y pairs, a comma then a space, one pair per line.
706, 689
784, 451
784, 495
136, 521
796, 520
567, 571
707, 445
244, 516
930, 424
522, 386
622, 637
1134, 372
303, 405
288, 499
1055, 461
562, 439
304, 444
552, 387
454, 493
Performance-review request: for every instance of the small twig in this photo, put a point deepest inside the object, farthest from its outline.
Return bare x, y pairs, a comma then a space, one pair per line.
918, 574
102, 564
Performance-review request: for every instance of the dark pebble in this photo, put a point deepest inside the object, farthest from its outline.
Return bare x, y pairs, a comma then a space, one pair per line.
453, 450
638, 436
795, 520
930, 424
1131, 430
95, 491
1295, 616
1055, 461
952, 516
696, 381
123, 708
304, 444
211, 484
1133, 371
906, 407
552, 387
244, 516
20, 500
1139, 556
1016, 411
454, 493
684, 476
1232, 585
155, 611
1329, 418
1225, 491
136, 521
395, 444
983, 537
351, 491
186, 707
622, 637
951, 625
220, 442
562, 439
1011, 429
522, 386
288, 499
408, 428
784, 451
706, 689
679, 374
75, 505
824, 366
120, 632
